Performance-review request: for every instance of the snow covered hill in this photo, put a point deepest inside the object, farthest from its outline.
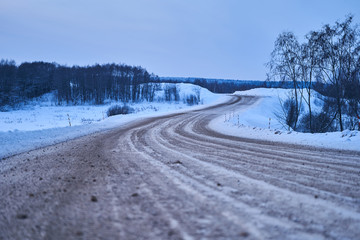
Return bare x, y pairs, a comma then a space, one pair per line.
259, 121
44, 114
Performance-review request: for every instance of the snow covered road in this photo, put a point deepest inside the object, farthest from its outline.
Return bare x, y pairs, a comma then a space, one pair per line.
172, 177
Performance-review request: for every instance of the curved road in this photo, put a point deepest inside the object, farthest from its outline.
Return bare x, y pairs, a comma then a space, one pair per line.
172, 177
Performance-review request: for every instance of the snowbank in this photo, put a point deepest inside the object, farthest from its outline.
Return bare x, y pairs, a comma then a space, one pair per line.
43, 114
40, 124
260, 122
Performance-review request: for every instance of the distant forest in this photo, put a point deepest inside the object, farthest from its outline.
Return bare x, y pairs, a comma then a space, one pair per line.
98, 83
227, 85
74, 85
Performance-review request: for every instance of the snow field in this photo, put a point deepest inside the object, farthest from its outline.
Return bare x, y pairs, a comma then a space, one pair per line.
43, 114
40, 124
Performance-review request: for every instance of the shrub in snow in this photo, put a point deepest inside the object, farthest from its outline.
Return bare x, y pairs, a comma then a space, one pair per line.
288, 116
320, 123
117, 109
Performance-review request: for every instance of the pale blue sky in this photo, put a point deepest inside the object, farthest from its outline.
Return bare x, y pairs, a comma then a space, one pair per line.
197, 38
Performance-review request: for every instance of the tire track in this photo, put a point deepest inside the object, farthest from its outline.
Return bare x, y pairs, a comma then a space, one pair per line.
164, 136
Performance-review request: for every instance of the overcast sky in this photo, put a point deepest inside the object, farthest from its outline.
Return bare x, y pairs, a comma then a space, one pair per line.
186, 38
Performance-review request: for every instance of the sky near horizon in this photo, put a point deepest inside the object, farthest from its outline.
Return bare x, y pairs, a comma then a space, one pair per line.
229, 39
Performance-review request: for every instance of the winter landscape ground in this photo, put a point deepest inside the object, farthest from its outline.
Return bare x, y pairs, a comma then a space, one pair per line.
175, 120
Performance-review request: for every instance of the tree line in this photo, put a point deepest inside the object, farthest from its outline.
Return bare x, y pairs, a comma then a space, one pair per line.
328, 61
74, 85
228, 86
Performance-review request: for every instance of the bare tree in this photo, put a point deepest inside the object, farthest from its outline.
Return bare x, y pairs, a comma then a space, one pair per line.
285, 65
308, 64
338, 59
330, 56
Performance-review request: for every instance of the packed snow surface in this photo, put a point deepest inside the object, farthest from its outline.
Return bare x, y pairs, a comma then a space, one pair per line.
41, 124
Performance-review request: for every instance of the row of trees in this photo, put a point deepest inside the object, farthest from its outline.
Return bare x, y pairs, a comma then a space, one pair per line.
74, 85
228, 86
329, 62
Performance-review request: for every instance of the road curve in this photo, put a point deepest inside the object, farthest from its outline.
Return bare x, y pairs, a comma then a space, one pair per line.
173, 177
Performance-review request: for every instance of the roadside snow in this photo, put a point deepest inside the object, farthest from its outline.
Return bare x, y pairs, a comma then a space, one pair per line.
43, 114
254, 121
40, 124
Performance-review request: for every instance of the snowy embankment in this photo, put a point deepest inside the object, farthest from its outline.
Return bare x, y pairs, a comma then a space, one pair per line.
41, 124
259, 121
